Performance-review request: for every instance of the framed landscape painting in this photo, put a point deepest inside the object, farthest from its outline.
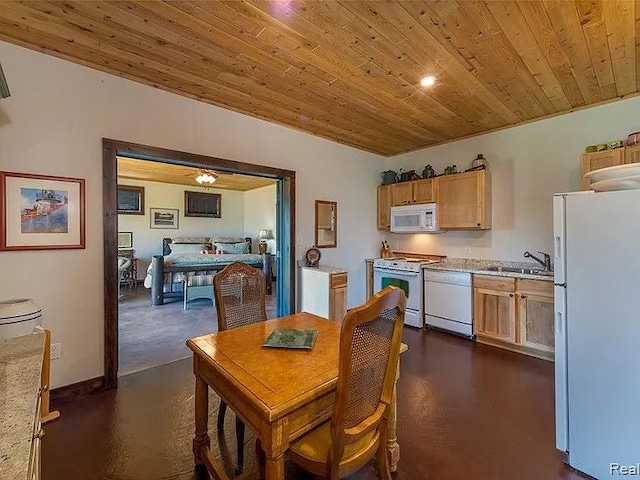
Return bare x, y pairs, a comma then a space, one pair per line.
164, 218
41, 212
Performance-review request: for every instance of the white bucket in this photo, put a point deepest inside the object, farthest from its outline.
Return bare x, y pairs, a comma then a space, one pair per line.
19, 317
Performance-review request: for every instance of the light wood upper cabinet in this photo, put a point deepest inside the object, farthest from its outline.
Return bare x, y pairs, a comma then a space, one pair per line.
401, 194
632, 154
384, 207
535, 315
494, 308
464, 201
405, 193
414, 192
598, 160
424, 191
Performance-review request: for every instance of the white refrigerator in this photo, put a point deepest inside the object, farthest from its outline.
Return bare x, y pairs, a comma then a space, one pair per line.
597, 331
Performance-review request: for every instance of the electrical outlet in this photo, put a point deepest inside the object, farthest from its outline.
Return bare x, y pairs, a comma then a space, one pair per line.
56, 351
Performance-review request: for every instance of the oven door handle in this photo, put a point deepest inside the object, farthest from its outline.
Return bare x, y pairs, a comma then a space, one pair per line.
400, 273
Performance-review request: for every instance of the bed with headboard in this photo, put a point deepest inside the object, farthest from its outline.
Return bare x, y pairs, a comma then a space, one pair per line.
195, 256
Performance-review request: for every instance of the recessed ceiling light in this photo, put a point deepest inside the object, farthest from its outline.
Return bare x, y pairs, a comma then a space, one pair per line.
428, 81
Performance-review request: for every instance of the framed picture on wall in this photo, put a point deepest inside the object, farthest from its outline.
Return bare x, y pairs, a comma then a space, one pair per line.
41, 212
130, 200
198, 204
125, 239
164, 217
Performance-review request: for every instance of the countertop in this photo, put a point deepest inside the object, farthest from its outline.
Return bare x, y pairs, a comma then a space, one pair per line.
326, 269
477, 267
20, 370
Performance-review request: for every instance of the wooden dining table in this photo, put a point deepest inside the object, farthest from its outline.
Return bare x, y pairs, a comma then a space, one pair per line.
280, 394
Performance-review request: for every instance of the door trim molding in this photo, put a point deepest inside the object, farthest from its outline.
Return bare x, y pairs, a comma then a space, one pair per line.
110, 150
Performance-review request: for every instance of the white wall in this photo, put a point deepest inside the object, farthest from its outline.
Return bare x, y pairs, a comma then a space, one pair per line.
260, 212
148, 241
58, 113
54, 123
528, 164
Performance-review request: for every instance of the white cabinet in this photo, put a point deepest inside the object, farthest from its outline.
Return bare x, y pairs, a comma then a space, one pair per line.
323, 291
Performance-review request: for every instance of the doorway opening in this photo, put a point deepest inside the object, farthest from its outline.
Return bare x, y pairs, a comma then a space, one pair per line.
282, 255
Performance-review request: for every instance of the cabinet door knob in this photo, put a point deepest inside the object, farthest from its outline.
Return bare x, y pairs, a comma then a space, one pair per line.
522, 296
511, 294
478, 224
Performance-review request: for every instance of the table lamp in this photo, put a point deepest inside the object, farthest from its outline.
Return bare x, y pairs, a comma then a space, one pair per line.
264, 234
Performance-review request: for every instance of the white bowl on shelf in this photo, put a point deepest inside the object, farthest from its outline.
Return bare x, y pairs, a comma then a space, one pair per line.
617, 171
623, 183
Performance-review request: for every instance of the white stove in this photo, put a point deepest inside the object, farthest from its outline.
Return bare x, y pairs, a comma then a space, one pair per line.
405, 273
402, 263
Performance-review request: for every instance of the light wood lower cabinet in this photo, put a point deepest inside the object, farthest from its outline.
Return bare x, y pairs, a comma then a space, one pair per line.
338, 296
535, 315
516, 314
369, 278
494, 308
323, 291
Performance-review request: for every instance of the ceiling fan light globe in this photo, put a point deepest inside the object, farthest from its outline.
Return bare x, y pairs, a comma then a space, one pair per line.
205, 178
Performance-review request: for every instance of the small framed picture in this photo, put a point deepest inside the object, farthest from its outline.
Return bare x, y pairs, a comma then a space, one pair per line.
41, 212
125, 239
164, 218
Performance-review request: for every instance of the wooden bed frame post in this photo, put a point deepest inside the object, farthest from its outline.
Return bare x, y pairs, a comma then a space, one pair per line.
157, 288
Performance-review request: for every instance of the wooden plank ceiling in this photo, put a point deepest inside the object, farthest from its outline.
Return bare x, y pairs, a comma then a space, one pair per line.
132, 169
350, 70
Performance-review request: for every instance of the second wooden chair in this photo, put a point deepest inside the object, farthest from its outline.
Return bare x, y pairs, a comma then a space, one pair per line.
357, 432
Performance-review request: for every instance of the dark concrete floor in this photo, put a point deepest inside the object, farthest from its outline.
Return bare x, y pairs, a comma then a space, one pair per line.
151, 336
465, 411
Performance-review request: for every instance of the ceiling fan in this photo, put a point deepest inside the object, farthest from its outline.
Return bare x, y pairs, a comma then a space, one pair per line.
207, 177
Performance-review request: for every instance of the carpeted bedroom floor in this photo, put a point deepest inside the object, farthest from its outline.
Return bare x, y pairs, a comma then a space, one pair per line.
151, 336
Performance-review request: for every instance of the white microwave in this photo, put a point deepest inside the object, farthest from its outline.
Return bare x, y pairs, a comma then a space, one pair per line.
415, 218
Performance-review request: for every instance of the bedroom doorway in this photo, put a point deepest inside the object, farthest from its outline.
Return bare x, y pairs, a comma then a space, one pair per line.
283, 183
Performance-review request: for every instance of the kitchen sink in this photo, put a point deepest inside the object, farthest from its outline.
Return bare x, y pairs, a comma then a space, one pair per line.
527, 271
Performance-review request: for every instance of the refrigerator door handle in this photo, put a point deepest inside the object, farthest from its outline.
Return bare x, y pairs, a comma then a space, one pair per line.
559, 323
559, 236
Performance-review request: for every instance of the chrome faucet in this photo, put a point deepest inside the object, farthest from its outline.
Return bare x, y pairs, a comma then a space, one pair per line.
546, 263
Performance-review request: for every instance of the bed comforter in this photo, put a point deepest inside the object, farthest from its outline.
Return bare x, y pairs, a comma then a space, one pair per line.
185, 260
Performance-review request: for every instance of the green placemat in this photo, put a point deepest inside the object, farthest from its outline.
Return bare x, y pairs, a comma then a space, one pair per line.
291, 338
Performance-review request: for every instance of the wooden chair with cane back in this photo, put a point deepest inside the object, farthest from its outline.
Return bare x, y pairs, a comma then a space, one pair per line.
239, 292
369, 349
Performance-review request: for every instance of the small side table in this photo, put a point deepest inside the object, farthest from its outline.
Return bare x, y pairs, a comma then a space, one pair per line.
130, 275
